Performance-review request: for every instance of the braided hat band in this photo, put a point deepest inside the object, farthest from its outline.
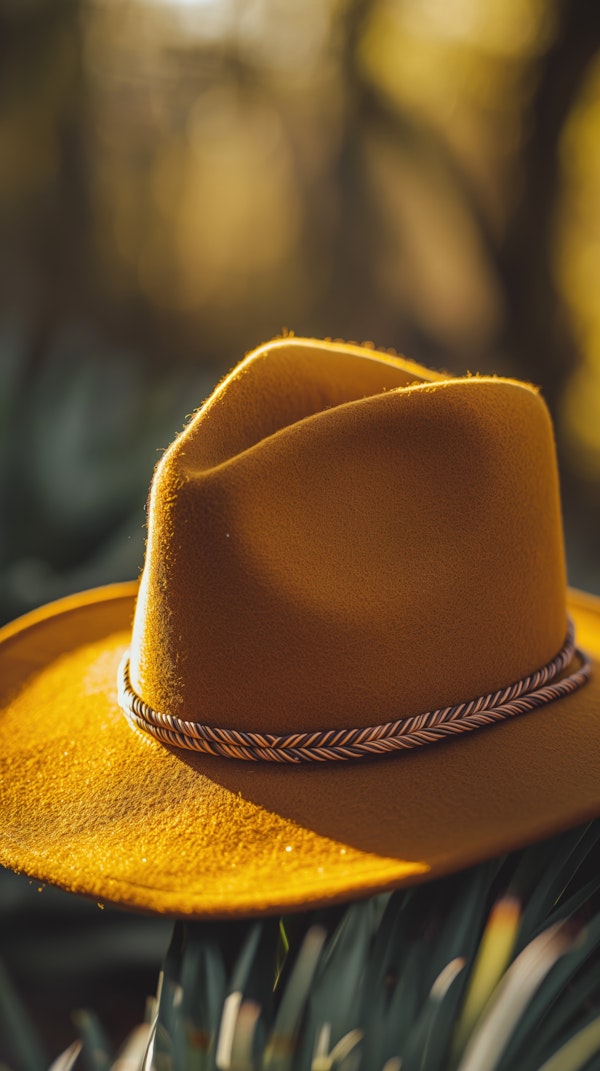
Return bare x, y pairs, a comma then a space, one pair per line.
535, 690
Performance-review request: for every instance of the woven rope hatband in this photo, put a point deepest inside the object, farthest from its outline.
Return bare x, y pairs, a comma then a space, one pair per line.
535, 690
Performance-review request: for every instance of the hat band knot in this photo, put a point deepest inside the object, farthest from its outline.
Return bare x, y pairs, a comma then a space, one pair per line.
535, 690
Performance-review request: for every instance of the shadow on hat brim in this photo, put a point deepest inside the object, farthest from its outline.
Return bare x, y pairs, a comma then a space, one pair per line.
91, 805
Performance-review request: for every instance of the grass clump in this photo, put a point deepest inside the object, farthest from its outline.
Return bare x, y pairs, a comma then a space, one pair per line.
493, 969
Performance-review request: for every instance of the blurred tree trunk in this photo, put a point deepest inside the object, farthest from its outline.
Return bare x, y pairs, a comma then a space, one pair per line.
539, 338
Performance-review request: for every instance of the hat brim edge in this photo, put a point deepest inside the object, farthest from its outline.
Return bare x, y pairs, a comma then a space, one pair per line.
363, 875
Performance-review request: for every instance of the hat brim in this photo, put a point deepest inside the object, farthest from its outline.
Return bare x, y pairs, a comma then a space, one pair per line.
91, 805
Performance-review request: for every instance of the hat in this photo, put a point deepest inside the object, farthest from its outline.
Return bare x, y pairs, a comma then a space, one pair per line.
348, 665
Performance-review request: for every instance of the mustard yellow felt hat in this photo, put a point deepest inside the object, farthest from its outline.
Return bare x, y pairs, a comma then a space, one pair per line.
348, 665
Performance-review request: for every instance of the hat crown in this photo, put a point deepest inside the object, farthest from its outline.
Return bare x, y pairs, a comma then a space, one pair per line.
340, 538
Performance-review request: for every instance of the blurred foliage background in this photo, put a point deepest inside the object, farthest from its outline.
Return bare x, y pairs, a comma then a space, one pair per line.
182, 179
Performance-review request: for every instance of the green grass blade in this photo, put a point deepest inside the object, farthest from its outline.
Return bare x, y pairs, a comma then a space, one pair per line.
18, 1030
163, 1044
404, 1004
244, 1041
344, 1056
255, 967
96, 1051
282, 1040
397, 979
510, 999
563, 858
337, 992
67, 1059
203, 984
573, 904
539, 1019
427, 1047
493, 957
249, 1003
457, 942
464, 906
133, 1053
560, 1013
576, 1052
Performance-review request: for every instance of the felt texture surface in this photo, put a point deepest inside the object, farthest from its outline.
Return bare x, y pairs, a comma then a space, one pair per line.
333, 534
93, 806
337, 538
